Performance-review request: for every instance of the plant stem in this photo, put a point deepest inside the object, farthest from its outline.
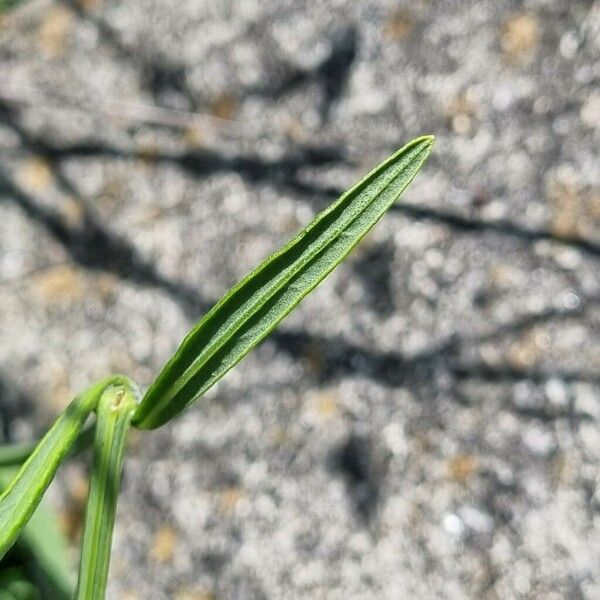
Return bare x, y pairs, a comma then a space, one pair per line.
115, 409
20, 499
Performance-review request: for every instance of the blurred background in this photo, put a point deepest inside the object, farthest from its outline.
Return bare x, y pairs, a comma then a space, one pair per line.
426, 424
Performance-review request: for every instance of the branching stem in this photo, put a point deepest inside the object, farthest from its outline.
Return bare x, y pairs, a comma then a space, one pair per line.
20, 499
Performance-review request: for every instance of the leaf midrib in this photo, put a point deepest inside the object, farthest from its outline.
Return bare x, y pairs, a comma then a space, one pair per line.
226, 331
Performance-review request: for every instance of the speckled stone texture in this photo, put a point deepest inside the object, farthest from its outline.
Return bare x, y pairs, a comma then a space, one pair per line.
427, 424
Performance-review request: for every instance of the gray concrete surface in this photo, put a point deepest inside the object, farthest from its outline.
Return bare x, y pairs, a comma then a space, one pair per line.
426, 425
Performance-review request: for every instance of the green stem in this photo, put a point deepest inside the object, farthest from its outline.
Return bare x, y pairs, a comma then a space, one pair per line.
115, 410
20, 499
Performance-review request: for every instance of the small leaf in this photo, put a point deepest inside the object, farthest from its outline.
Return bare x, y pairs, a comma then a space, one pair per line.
115, 409
19, 501
254, 307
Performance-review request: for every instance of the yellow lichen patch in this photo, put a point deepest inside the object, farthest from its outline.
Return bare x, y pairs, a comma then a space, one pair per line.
186, 593
462, 467
327, 405
564, 195
129, 595
399, 25
229, 499
575, 208
503, 275
520, 38
60, 284
525, 352
164, 544
321, 406
73, 212
54, 30
35, 175
224, 106
460, 112
193, 136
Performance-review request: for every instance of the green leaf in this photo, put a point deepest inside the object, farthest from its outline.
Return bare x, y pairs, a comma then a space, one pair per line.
115, 409
20, 499
254, 307
45, 546
17, 454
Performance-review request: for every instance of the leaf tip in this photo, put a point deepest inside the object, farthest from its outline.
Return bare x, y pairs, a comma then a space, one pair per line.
426, 139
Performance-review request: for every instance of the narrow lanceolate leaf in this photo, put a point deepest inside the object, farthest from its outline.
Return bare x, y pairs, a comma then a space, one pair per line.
254, 307
20, 499
115, 409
